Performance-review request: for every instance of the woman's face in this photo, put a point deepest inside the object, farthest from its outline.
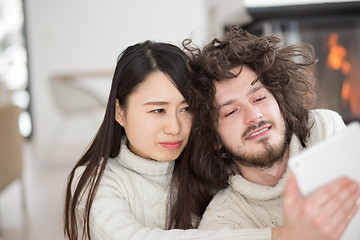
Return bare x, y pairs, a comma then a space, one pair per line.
156, 120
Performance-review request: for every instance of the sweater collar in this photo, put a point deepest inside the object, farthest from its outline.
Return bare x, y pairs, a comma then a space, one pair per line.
141, 165
257, 191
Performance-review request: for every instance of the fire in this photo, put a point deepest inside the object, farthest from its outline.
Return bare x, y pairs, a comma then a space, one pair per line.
338, 59
345, 91
337, 55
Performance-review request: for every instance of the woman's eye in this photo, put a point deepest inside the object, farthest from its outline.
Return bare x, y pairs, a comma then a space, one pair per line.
185, 109
158, 111
259, 99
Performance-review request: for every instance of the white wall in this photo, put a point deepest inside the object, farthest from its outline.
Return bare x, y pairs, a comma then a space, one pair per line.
87, 35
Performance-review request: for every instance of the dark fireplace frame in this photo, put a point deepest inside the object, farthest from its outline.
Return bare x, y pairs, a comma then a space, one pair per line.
307, 10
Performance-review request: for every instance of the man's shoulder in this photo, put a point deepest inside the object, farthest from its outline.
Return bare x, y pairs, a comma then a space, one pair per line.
222, 211
222, 195
324, 123
325, 115
223, 199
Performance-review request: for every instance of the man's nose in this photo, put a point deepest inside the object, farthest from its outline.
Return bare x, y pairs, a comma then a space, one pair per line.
252, 115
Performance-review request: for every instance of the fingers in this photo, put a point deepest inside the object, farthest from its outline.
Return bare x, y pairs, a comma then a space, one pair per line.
333, 206
333, 189
346, 207
325, 214
333, 202
343, 199
341, 227
291, 192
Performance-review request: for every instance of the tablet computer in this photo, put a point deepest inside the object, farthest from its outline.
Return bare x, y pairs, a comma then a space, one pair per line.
334, 157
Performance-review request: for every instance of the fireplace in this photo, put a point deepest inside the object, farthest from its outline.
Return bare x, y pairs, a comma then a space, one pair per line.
334, 31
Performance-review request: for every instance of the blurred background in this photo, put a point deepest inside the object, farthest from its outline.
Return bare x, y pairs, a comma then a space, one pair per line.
56, 63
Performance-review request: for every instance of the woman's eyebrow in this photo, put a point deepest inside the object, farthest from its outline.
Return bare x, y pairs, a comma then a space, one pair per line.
160, 103
156, 103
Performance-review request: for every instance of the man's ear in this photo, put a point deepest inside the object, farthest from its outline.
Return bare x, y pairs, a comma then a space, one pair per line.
119, 113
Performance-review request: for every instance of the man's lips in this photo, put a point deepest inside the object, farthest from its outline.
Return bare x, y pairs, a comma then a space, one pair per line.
258, 132
171, 145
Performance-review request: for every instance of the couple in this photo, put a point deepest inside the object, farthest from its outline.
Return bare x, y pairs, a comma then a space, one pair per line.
218, 125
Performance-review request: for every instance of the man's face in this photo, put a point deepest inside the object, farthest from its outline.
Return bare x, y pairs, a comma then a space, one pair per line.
250, 124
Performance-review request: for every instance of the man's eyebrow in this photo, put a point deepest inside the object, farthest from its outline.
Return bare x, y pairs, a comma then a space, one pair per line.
228, 102
254, 90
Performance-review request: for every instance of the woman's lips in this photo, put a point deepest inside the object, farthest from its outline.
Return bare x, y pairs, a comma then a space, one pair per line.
171, 145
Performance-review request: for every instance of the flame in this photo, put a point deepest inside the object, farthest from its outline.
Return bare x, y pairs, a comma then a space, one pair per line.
345, 91
345, 68
338, 59
337, 55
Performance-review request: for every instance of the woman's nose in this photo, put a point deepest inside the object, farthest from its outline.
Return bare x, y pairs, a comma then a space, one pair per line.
173, 125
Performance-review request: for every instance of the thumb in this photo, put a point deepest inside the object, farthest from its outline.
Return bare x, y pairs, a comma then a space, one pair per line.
291, 192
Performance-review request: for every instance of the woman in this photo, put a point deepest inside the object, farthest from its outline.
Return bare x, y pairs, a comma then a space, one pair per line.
119, 188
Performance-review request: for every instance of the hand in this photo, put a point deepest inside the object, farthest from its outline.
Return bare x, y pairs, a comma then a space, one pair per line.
324, 214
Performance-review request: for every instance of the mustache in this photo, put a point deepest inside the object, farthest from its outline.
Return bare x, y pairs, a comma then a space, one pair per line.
253, 127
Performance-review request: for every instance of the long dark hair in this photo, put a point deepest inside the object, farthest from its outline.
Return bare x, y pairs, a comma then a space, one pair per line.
284, 70
133, 65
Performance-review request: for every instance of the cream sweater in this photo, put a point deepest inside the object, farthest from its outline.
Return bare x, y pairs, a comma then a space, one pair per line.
131, 204
248, 205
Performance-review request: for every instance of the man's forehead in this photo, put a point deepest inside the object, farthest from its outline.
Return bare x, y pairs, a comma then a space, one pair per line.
236, 83
228, 93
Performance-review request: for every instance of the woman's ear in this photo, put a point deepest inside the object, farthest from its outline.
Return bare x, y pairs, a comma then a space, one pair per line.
119, 113
218, 144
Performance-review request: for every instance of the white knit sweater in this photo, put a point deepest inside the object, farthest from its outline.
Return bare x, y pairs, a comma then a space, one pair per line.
131, 204
248, 205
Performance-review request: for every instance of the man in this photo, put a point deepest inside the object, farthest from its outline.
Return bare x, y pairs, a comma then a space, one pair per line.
259, 95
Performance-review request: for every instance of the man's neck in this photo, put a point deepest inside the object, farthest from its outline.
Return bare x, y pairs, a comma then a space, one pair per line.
265, 176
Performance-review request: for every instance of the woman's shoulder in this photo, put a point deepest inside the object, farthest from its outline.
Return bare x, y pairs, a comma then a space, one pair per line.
114, 171
113, 165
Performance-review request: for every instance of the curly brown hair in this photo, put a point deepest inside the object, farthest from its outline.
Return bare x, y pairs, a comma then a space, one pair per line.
285, 70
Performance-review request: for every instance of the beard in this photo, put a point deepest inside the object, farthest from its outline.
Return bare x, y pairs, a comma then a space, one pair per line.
271, 154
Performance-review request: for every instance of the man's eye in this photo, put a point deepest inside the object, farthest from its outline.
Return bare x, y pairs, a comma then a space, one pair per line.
158, 111
185, 109
228, 114
259, 99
